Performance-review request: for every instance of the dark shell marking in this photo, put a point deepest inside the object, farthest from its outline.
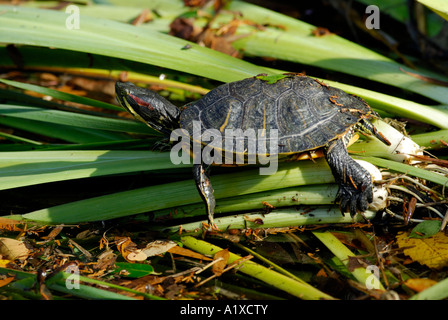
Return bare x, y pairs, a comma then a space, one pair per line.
307, 114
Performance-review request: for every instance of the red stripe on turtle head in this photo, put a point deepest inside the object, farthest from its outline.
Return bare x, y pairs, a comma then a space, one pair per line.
141, 102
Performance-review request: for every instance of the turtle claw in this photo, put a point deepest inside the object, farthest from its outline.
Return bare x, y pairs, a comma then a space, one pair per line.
210, 227
355, 199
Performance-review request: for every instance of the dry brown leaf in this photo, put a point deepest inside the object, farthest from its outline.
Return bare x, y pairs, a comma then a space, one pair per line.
194, 3
129, 249
355, 263
4, 282
322, 273
419, 285
94, 87
136, 256
85, 252
223, 256
53, 234
188, 253
143, 17
12, 249
157, 247
183, 28
105, 260
9, 224
432, 251
69, 89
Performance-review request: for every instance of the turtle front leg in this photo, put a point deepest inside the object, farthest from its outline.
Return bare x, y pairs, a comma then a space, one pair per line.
202, 179
355, 183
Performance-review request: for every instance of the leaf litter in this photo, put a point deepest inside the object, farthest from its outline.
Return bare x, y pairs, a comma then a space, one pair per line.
407, 254
409, 259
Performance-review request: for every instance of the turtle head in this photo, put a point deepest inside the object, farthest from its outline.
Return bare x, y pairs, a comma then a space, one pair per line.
148, 107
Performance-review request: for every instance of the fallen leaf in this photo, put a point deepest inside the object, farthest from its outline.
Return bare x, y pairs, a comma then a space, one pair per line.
133, 270
188, 253
69, 89
53, 234
136, 256
355, 263
143, 17
223, 257
4, 282
194, 3
431, 251
9, 224
85, 252
157, 247
105, 260
426, 229
12, 249
183, 28
126, 247
322, 273
94, 87
419, 284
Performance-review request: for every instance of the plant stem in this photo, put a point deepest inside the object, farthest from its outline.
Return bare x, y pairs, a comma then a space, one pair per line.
278, 218
343, 254
287, 284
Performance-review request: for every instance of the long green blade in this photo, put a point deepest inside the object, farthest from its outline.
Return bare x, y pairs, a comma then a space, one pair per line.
283, 38
61, 95
180, 193
48, 28
73, 119
18, 169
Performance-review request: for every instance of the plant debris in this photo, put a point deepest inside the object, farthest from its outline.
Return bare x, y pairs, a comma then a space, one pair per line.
400, 252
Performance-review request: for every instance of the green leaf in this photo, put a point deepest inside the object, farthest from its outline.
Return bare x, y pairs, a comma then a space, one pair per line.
343, 254
134, 270
438, 6
73, 119
48, 28
26, 168
426, 229
272, 78
182, 192
59, 131
62, 95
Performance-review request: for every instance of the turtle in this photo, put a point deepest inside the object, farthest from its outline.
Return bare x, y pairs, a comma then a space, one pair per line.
308, 116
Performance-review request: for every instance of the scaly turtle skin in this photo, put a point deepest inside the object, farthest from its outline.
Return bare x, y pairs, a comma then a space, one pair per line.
307, 114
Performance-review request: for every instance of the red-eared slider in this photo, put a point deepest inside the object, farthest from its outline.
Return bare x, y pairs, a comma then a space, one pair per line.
306, 114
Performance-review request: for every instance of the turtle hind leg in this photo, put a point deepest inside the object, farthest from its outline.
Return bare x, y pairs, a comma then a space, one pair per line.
355, 183
202, 179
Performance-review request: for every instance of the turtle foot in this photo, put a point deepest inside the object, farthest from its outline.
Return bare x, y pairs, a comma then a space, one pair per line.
210, 227
355, 183
355, 198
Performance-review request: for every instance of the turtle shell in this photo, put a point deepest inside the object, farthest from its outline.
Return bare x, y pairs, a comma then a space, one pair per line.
305, 113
